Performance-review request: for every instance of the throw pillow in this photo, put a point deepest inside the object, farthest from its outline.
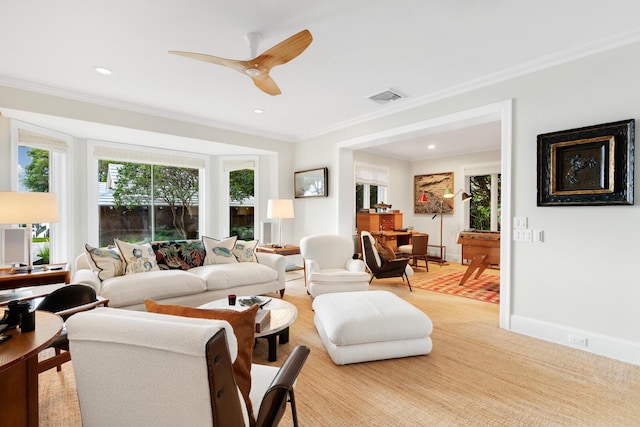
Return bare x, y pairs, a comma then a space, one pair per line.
137, 258
219, 251
385, 252
243, 324
107, 262
179, 255
244, 251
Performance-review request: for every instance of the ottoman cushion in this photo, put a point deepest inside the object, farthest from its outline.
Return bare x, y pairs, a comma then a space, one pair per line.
370, 325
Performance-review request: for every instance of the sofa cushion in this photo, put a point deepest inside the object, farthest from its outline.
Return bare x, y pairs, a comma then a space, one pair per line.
105, 263
244, 250
137, 258
243, 324
219, 251
223, 276
160, 284
179, 254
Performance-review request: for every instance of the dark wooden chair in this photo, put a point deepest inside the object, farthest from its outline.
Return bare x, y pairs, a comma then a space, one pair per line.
65, 301
417, 249
226, 405
378, 267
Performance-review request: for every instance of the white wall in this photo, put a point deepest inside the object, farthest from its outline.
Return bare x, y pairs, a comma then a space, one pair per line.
582, 279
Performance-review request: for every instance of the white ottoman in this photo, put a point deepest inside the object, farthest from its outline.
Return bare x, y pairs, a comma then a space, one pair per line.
370, 325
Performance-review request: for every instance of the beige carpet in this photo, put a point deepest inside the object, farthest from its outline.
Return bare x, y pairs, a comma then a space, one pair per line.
476, 375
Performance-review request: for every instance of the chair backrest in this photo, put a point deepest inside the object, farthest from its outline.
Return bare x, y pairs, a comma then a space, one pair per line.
369, 253
139, 368
66, 297
328, 250
275, 399
419, 244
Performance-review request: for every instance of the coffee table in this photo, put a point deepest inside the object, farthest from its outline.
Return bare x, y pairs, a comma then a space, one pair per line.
283, 314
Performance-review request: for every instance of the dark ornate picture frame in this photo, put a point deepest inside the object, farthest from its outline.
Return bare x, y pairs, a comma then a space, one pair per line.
311, 183
433, 187
587, 166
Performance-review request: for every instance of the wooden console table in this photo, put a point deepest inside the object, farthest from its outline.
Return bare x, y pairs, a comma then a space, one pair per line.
482, 248
19, 370
54, 273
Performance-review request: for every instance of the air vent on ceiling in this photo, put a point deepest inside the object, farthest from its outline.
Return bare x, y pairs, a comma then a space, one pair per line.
386, 96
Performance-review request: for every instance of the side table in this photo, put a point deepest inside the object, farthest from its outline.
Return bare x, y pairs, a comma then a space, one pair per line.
19, 370
54, 273
287, 250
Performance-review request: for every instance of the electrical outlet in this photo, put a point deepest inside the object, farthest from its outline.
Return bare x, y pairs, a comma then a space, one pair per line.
578, 340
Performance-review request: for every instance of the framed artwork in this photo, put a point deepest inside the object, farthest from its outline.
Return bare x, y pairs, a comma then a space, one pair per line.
311, 183
587, 166
433, 187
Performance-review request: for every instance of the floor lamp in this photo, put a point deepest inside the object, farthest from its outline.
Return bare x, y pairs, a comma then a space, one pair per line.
18, 207
448, 194
280, 209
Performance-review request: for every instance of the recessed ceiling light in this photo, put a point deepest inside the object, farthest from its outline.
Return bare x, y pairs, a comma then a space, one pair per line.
102, 70
431, 147
258, 111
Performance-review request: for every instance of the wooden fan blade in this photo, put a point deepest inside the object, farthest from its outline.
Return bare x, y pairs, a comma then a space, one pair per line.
238, 65
284, 51
265, 83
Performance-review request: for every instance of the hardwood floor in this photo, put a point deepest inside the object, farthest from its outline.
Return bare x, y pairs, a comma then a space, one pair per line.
477, 374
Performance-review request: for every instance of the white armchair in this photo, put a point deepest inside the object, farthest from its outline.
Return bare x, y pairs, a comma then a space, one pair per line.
147, 369
330, 266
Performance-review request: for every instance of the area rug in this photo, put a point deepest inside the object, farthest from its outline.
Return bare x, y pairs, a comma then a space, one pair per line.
484, 288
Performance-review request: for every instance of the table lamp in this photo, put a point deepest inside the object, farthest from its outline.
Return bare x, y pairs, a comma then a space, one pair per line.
280, 209
18, 207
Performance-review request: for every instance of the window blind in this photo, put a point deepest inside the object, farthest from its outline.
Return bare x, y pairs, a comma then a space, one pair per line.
35, 140
147, 157
371, 174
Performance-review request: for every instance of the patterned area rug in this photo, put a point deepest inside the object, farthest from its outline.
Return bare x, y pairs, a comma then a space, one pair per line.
484, 288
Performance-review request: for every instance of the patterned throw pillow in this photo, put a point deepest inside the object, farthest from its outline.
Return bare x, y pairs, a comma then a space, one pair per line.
105, 262
179, 255
244, 251
219, 251
137, 258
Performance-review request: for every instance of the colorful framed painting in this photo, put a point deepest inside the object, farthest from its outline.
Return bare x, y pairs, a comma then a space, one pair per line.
428, 192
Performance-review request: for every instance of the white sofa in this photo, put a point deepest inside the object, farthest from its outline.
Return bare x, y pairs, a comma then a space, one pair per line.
194, 287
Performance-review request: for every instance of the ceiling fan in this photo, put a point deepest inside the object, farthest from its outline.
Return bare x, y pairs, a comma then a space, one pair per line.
259, 67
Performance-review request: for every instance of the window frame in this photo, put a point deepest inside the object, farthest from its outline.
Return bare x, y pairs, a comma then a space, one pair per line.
60, 176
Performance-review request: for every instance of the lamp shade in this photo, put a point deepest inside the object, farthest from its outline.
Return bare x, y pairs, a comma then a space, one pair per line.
280, 208
423, 198
448, 194
18, 207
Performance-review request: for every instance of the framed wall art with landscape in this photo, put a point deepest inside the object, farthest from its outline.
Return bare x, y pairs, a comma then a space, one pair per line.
587, 166
311, 183
432, 186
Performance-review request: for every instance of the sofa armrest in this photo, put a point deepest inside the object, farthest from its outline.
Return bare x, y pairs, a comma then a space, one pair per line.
277, 262
88, 277
355, 265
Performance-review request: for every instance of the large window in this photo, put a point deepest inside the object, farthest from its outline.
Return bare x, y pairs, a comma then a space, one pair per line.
484, 209
241, 203
40, 164
371, 185
33, 175
143, 202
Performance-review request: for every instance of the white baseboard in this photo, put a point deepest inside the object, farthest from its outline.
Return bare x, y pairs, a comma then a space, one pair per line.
615, 348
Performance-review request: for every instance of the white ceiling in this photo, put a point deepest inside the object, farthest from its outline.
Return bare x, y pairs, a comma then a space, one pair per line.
422, 48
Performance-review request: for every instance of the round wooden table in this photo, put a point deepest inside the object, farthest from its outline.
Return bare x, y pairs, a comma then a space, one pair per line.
19, 370
283, 314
